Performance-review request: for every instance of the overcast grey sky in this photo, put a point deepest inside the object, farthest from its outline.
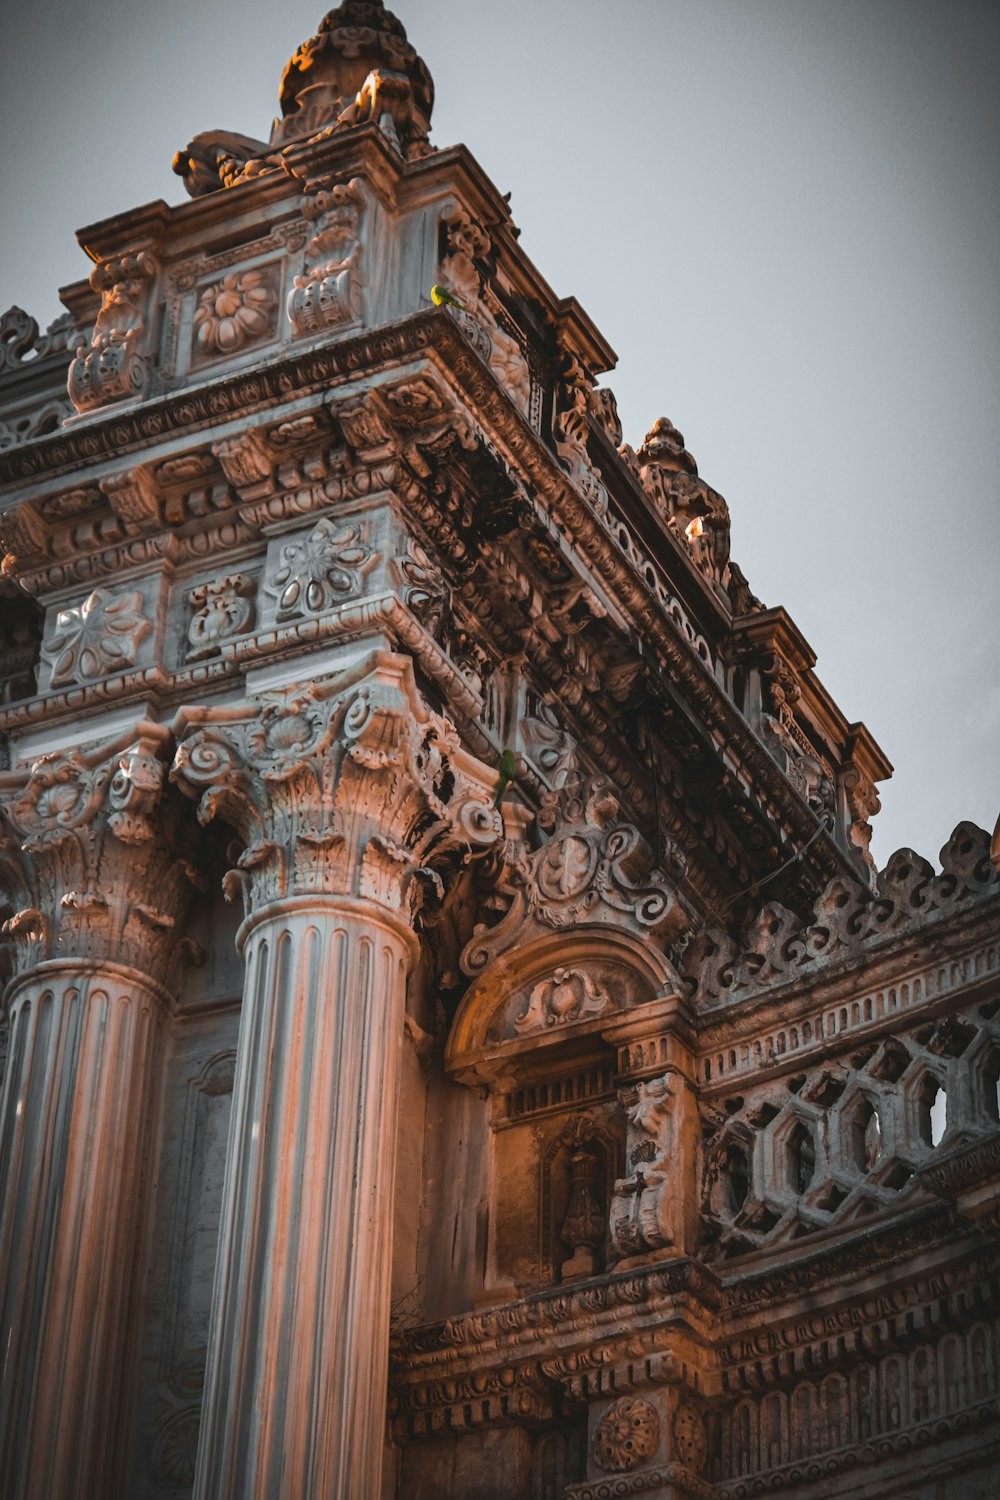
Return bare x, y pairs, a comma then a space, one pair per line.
784, 214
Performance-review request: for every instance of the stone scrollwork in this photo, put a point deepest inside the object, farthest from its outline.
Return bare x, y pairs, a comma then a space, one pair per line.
21, 343
318, 572
100, 636
628, 1433
329, 293
115, 364
346, 787
593, 869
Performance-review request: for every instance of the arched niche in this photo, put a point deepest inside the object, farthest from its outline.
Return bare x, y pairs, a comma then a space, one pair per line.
552, 998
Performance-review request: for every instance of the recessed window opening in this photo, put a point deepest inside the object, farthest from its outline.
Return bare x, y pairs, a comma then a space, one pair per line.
933, 1111
866, 1136
801, 1159
737, 1179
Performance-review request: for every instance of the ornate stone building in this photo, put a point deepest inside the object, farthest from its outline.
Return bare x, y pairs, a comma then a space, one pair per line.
457, 1042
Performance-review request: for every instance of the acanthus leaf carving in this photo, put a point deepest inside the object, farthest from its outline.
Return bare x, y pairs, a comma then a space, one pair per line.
349, 786
88, 835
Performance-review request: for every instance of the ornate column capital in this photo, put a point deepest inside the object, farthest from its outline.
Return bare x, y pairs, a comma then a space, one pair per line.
91, 850
348, 787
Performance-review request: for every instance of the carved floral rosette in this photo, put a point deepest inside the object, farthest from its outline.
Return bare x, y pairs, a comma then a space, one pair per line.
628, 1433
347, 787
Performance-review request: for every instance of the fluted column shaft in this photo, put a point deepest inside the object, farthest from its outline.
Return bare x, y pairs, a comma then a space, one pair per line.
353, 800
296, 1385
84, 1048
101, 888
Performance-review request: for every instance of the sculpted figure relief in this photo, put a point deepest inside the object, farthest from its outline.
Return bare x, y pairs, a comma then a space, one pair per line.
115, 365
465, 241
643, 1208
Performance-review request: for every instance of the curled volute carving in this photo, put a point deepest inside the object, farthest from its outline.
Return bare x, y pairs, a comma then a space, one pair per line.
115, 365
593, 869
329, 292
94, 855
347, 787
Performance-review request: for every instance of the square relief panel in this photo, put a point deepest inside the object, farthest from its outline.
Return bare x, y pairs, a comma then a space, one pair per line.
212, 610
108, 631
234, 312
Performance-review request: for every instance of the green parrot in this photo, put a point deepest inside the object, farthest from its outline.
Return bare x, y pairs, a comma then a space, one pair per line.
441, 297
508, 770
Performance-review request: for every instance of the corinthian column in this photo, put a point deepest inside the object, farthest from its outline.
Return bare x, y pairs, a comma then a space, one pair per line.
99, 887
353, 802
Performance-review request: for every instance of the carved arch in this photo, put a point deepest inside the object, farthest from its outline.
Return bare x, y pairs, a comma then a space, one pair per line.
559, 989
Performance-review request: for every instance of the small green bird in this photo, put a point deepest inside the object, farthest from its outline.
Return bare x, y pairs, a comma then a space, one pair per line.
508, 770
441, 297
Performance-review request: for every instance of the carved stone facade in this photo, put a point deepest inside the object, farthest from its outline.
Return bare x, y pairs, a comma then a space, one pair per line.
456, 1042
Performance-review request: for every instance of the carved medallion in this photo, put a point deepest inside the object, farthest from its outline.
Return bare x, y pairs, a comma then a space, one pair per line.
318, 572
629, 1432
565, 868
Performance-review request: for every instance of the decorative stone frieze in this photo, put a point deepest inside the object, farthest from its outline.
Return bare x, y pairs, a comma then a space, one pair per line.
846, 922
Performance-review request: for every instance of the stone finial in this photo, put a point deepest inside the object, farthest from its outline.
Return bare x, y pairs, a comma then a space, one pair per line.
663, 446
358, 67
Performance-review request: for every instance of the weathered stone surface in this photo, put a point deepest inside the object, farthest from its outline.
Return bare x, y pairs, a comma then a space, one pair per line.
446, 977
